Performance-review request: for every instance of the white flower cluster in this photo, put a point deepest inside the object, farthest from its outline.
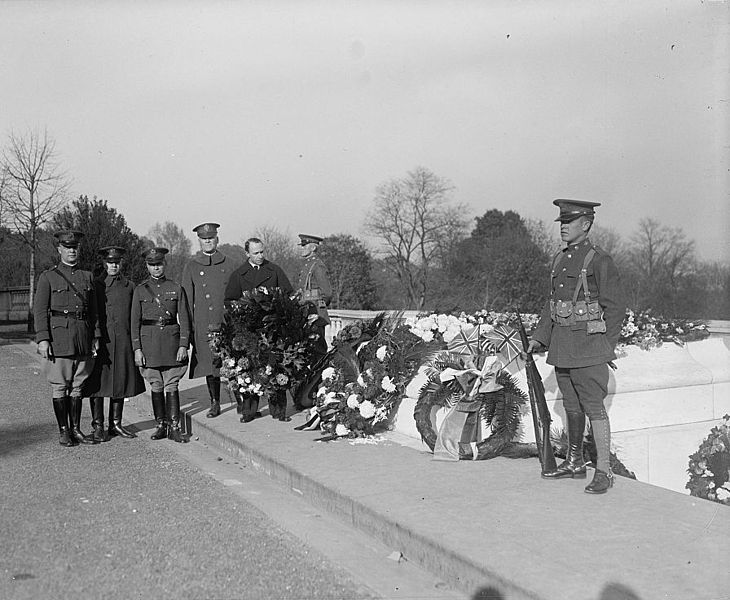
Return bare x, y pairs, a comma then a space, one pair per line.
448, 326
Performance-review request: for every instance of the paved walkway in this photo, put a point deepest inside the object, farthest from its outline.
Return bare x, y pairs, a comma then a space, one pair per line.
487, 524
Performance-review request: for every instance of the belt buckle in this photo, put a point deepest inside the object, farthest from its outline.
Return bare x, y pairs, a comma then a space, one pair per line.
161, 321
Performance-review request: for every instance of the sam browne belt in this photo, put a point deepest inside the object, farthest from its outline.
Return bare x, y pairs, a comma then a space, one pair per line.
79, 315
159, 321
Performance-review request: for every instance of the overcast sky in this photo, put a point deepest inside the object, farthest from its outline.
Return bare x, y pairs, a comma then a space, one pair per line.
292, 113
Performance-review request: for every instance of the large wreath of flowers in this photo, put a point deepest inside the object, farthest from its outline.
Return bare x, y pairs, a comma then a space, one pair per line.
266, 343
372, 362
709, 467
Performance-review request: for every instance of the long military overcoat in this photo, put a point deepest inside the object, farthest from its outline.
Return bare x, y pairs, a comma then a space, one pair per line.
313, 275
204, 280
65, 311
571, 346
115, 374
160, 322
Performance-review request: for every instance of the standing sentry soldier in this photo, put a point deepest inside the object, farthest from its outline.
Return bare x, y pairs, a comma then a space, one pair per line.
160, 325
67, 333
580, 326
314, 285
115, 375
204, 280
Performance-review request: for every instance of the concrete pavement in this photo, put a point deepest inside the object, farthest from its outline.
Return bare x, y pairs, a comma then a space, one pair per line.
489, 525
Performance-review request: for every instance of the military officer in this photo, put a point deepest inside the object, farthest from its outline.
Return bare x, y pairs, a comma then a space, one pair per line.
67, 333
115, 375
204, 280
256, 272
314, 284
580, 326
160, 325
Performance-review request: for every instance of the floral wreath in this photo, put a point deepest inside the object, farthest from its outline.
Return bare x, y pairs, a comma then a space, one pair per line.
709, 467
500, 410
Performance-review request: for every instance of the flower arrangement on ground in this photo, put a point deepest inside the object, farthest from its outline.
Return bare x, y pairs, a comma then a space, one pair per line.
371, 364
648, 331
265, 347
709, 467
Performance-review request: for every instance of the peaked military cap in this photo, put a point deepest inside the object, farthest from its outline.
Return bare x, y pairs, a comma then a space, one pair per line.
112, 253
155, 256
207, 230
572, 209
69, 238
309, 239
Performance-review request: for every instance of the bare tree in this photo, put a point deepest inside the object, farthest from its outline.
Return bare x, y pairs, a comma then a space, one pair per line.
280, 249
34, 190
418, 225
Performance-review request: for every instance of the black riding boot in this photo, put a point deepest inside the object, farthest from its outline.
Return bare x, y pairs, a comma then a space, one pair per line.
97, 420
158, 408
172, 402
573, 466
603, 477
214, 390
116, 408
59, 408
73, 407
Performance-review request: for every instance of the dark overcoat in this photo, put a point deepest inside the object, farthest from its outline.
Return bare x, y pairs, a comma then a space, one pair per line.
246, 278
162, 301
204, 280
313, 276
572, 346
65, 311
115, 374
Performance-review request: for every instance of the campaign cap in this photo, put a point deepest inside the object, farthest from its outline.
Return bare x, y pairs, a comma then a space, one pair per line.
112, 254
309, 239
572, 209
69, 238
207, 230
155, 256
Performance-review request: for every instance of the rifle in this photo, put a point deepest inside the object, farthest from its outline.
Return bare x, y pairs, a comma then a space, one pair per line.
540, 414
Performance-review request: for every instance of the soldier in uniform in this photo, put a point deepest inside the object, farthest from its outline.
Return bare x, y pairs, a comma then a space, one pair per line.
204, 280
314, 285
160, 326
67, 333
115, 375
255, 272
580, 326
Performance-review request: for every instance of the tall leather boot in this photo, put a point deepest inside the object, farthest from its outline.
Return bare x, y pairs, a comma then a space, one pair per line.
116, 408
59, 408
97, 420
172, 402
603, 477
573, 466
158, 408
214, 390
73, 407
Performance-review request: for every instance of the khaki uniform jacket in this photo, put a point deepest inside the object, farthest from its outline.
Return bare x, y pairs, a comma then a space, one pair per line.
164, 301
204, 280
314, 276
57, 306
571, 346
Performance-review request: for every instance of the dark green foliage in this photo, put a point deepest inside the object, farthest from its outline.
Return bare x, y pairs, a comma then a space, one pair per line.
102, 226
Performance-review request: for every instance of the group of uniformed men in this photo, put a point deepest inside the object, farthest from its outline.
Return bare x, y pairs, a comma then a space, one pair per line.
78, 318
101, 337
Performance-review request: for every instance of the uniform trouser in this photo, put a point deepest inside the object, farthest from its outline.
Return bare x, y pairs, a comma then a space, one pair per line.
67, 374
163, 379
584, 389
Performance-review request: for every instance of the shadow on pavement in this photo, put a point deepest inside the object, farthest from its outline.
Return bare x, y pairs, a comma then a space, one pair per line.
18, 438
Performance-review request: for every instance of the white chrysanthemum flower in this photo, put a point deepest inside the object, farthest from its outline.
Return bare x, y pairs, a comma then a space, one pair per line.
230, 363
381, 353
353, 401
387, 384
269, 370
321, 391
328, 373
341, 430
367, 409
722, 494
427, 336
